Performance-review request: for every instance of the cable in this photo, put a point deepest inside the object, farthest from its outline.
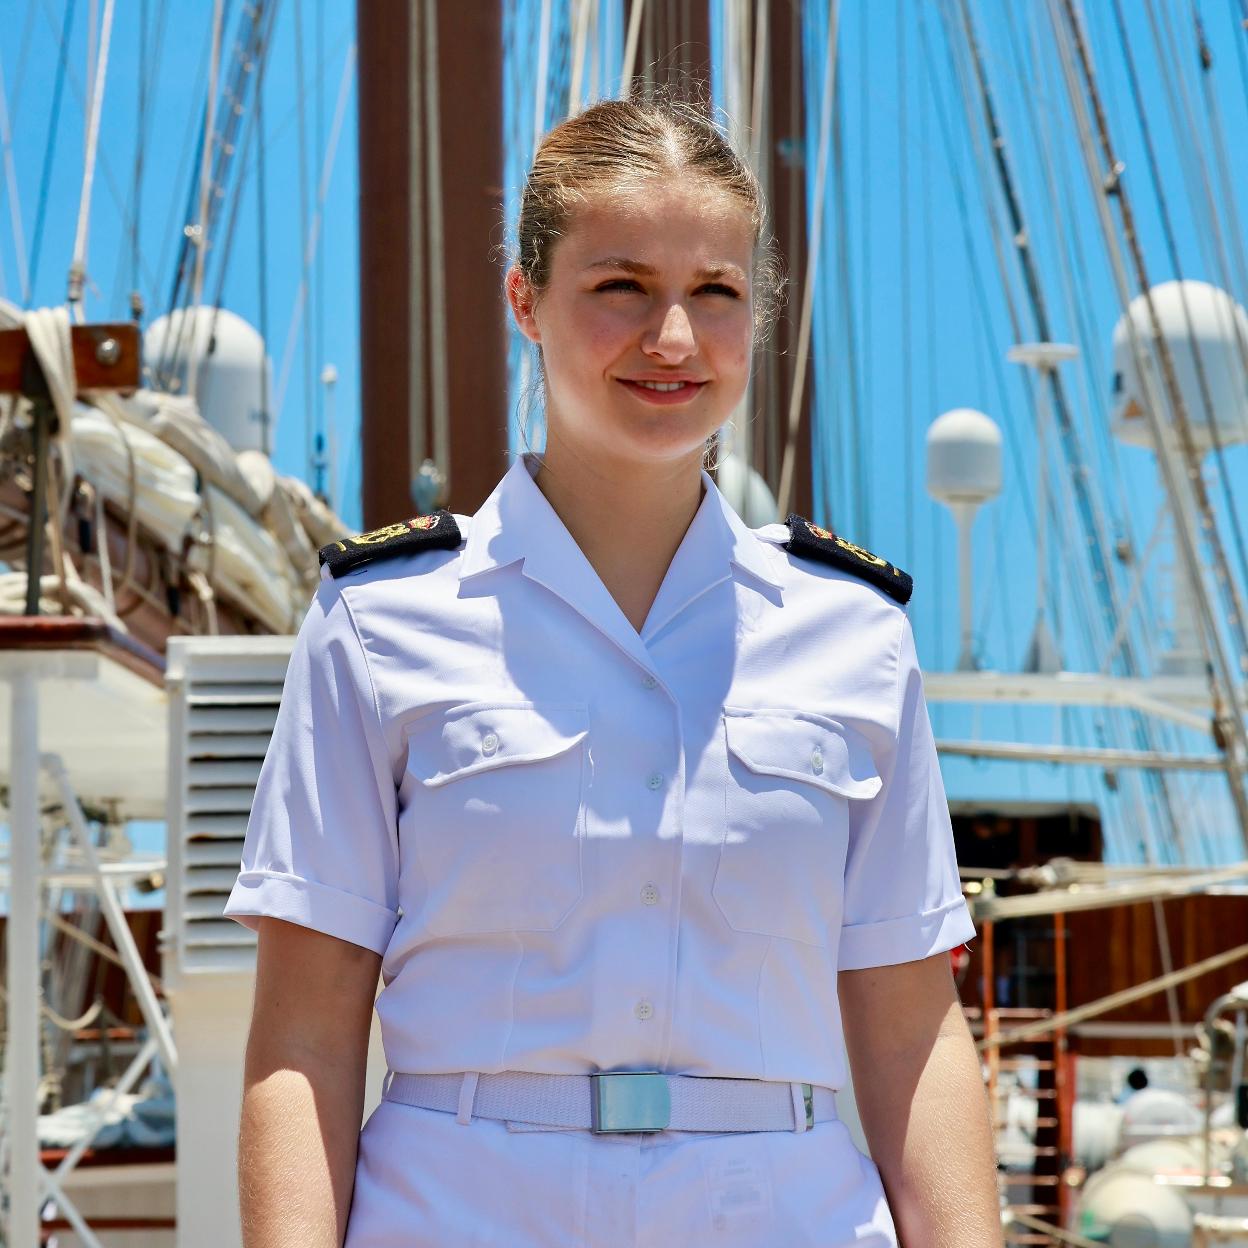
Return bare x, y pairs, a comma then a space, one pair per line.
49, 147
802, 354
9, 183
907, 379
1172, 250
78, 269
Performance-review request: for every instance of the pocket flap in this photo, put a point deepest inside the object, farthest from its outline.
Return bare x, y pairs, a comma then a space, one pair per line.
802, 746
484, 735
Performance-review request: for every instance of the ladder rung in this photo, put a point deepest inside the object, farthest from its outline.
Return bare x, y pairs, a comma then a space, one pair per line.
1015, 1063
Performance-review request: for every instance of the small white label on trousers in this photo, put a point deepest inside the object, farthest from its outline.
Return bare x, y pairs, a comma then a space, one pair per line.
738, 1187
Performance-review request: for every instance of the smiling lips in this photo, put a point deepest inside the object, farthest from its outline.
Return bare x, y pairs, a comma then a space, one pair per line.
663, 392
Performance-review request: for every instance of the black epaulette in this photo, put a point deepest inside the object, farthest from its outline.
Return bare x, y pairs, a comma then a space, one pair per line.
437, 531
815, 543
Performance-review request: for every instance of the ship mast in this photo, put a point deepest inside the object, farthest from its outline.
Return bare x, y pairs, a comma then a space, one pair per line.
432, 331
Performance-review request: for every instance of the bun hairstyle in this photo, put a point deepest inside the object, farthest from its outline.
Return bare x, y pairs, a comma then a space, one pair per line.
616, 144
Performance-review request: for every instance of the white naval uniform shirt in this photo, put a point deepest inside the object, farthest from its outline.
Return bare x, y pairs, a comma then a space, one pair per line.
582, 848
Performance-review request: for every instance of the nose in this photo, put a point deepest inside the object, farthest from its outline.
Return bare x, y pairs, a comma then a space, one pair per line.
674, 340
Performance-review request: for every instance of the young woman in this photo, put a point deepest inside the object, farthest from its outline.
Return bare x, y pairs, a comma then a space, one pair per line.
636, 810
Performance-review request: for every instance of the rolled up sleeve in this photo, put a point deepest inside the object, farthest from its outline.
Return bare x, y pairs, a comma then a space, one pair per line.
321, 848
903, 898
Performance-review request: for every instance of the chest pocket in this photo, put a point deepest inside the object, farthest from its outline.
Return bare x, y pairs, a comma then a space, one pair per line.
496, 816
791, 777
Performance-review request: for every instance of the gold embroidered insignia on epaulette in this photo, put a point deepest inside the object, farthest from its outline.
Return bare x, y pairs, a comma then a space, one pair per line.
814, 542
437, 531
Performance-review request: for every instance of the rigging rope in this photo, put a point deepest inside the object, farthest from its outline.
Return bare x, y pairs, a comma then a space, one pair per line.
10, 184
327, 168
78, 269
49, 146
1231, 725
907, 379
801, 359
207, 185
1172, 250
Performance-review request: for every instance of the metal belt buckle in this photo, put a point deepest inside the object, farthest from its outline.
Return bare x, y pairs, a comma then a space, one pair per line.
629, 1100
808, 1096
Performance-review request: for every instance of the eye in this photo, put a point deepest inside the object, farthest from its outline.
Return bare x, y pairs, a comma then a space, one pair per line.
721, 289
619, 283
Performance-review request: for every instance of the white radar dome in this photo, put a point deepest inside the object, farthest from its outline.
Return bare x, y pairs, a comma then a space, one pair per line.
1127, 1209
746, 491
963, 457
1154, 1113
1204, 329
231, 360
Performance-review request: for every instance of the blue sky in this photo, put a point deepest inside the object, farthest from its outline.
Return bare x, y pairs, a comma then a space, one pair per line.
928, 318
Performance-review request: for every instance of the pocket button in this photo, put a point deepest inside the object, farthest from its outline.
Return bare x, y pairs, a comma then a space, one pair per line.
816, 761
489, 744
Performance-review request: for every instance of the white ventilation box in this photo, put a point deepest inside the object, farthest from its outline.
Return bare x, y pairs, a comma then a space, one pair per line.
223, 697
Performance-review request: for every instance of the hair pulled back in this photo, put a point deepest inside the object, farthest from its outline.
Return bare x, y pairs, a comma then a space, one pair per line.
616, 144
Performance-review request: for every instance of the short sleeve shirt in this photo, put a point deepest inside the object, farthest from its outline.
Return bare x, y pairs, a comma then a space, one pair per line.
582, 847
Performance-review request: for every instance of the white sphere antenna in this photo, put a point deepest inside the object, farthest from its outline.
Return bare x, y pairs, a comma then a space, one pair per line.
964, 472
1205, 333
233, 374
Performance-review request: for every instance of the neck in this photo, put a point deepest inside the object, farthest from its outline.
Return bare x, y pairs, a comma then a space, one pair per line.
627, 518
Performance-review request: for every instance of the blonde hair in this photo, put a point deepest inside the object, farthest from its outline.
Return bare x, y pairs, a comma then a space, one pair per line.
617, 143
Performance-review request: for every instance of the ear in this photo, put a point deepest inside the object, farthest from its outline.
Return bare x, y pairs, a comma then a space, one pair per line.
522, 299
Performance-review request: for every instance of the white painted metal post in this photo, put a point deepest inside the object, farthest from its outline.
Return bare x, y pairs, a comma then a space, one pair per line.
22, 967
964, 517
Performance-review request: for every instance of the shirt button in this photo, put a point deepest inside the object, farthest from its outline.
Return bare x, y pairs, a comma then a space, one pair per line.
656, 781
489, 743
649, 894
650, 682
643, 1010
816, 761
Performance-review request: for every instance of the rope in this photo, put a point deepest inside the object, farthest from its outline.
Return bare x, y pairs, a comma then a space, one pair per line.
15, 206
797, 393
313, 237
50, 339
205, 195
59, 1020
132, 514
78, 270
1104, 1005
630, 47
1055, 1232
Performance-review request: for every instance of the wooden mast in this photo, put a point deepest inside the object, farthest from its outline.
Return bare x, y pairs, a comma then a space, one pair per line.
432, 333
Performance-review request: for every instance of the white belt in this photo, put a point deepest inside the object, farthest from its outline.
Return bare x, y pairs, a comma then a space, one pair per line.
616, 1101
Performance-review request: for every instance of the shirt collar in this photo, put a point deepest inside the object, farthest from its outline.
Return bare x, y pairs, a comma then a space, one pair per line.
518, 523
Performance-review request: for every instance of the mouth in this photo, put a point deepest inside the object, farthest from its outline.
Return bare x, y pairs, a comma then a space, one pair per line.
663, 393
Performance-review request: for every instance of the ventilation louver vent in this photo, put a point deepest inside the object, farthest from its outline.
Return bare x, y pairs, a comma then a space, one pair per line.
223, 697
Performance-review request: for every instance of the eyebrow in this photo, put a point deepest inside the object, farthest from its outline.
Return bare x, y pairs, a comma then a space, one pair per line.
646, 270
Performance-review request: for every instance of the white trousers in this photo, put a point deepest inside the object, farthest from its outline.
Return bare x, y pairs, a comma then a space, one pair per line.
424, 1180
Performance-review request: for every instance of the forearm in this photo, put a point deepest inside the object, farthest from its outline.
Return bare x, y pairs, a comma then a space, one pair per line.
926, 1117
297, 1149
